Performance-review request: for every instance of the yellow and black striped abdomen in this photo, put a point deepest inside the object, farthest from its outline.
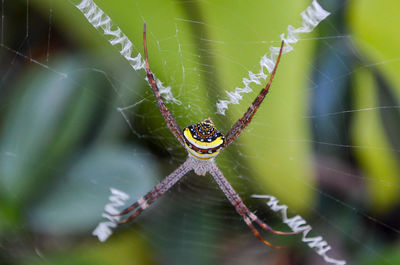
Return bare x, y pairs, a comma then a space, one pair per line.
203, 140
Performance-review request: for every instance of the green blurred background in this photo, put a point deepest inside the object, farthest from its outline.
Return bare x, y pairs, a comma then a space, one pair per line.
76, 119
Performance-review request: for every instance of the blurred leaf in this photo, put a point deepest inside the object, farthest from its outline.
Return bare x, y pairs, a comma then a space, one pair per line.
123, 249
374, 27
76, 204
377, 158
46, 120
389, 115
50, 117
378, 41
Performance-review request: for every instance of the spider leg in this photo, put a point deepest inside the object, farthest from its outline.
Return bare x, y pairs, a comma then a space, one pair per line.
242, 123
155, 193
266, 227
139, 210
170, 120
257, 234
242, 209
140, 201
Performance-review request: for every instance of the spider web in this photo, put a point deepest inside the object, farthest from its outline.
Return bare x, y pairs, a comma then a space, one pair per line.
76, 119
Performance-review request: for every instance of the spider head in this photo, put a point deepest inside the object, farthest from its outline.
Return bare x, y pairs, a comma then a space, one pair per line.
203, 140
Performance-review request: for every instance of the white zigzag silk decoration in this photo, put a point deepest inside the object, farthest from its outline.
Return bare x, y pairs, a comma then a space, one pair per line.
104, 229
311, 17
101, 20
297, 223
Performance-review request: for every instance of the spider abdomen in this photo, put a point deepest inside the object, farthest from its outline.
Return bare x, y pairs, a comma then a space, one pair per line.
203, 140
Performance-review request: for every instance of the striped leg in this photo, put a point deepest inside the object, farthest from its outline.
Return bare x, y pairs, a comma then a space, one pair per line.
168, 117
140, 205
242, 123
242, 209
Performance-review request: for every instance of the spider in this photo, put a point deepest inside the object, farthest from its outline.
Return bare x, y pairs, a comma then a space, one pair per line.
203, 143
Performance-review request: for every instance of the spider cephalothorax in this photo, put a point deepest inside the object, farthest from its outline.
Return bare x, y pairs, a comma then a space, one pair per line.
203, 140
